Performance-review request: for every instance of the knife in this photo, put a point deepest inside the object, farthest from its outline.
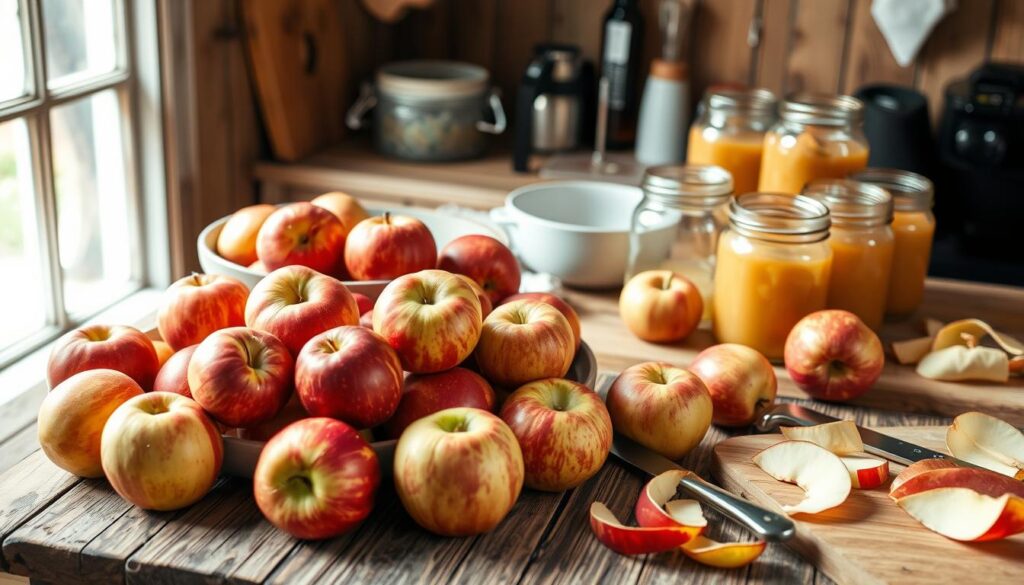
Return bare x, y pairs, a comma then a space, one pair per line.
765, 523
876, 443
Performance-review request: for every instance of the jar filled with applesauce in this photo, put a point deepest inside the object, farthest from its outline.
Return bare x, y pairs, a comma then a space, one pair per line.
816, 137
862, 246
677, 223
729, 132
913, 226
772, 269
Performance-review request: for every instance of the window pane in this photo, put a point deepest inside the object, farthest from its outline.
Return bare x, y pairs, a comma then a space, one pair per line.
80, 39
12, 57
20, 261
94, 232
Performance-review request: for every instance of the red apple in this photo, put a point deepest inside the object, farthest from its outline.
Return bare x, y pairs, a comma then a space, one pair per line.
236, 241
93, 347
660, 306
741, 382
197, 305
72, 416
425, 394
563, 429
163, 351
304, 234
388, 246
160, 451
431, 318
344, 206
486, 306
459, 471
524, 341
363, 302
662, 407
173, 377
486, 260
241, 376
316, 479
349, 373
833, 355
296, 303
557, 302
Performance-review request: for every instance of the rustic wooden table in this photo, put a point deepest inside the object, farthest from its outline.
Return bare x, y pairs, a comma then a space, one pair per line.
56, 528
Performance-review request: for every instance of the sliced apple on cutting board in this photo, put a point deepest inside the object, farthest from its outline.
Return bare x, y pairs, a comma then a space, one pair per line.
840, 437
819, 472
866, 472
964, 514
988, 442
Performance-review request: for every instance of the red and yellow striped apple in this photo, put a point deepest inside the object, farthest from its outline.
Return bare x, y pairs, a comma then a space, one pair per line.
563, 429
160, 451
195, 306
459, 471
72, 416
295, 303
486, 306
173, 376
425, 394
524, 341
317, 478
349, 373
236, 241
388, 246
431, 318
833, 355
114, 347
660, 306
741, 381
304, 234
241, 376
485, 260
556, 302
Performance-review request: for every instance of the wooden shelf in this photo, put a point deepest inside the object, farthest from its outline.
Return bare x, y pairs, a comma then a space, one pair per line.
354, 167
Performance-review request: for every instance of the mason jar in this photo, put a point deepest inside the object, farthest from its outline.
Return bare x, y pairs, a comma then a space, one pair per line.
772, 269
729, 132
817, 137
862, 246
677, 223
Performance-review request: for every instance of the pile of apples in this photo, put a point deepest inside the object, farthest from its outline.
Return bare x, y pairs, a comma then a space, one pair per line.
316, 371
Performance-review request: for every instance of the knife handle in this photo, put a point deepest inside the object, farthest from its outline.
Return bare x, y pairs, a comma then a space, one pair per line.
765, 523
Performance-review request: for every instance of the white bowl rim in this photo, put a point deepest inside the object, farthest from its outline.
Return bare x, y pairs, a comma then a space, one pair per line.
569, 227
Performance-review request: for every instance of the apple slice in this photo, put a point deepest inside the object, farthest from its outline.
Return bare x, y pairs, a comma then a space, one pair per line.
724, 555
840, 437
963, 331
988, 442
963, 514
822, 475
630, 540
911, 351
866, 472
983, 481
650, 509
917, 468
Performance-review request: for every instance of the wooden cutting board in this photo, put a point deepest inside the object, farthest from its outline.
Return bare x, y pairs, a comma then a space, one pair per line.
297, 54
868, 539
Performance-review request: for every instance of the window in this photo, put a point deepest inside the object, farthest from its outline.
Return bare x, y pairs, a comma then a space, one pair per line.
71, 241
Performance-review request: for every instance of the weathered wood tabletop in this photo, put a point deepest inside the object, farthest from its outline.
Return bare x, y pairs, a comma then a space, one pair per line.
56, 528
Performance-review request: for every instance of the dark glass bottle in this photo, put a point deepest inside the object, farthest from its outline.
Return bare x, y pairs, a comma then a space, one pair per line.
621, 52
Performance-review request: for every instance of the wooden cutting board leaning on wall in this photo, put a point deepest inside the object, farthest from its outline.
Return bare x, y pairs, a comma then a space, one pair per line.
296, 51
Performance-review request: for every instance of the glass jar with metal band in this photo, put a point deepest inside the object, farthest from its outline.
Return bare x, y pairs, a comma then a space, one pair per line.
816, 137
695, 199
913, 227
862, 246
772, 269
729, 132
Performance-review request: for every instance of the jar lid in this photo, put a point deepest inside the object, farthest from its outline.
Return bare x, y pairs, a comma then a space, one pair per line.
910, 191
425, 79
852, 203
780, 216
824, 109
689, 185
758, 101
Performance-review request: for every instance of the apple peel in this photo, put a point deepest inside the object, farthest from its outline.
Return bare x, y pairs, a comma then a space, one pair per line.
632, 540
912, 351
866, 472
988, 442
724, 555
819, 472
958, 363
962, 331
653, 508
840, 437
917, 468
983, 481
963, 514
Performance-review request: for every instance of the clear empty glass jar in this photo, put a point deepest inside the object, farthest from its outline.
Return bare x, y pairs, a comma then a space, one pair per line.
677, 223
862, 246
772, 269
729, 132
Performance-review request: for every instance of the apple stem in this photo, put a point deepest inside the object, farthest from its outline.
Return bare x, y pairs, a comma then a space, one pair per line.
387, 218
195, 278
969, 340
668, 281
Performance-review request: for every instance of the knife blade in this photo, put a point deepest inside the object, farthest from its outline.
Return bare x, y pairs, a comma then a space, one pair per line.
765, 523
876, 443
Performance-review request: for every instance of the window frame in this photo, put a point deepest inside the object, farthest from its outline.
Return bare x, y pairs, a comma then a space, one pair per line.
136, 81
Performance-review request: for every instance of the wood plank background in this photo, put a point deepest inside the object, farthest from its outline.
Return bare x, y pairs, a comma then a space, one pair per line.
783, 45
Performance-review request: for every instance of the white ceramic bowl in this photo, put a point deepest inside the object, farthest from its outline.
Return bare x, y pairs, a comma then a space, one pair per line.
576, 230
444, 228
